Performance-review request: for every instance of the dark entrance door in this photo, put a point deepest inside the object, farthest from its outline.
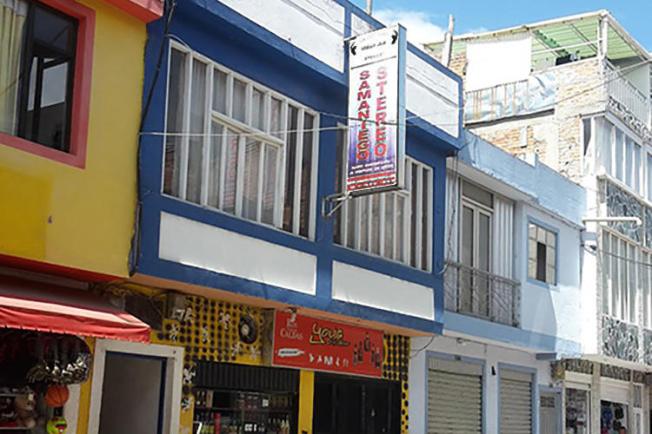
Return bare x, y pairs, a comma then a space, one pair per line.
349, 405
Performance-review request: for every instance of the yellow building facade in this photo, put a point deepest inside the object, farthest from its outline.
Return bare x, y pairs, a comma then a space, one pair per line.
73, 211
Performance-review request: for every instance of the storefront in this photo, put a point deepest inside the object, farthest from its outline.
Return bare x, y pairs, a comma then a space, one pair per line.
611, 402
45, 356
253, 370
235, 399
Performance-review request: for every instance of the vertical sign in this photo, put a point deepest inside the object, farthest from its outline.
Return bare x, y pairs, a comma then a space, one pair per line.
376, 111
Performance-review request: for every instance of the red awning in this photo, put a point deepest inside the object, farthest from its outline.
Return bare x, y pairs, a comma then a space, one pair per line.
54, 309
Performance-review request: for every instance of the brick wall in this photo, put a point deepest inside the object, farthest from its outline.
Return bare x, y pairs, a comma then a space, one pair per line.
556, 136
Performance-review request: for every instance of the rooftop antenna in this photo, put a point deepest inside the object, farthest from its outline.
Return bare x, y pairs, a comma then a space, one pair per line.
370, 6
448, 42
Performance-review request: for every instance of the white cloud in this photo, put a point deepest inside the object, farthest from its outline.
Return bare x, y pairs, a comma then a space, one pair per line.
419, 25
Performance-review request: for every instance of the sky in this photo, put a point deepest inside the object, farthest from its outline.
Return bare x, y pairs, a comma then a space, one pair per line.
427, 18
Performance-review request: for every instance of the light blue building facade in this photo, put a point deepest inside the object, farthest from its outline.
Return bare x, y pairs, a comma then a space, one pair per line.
512, 298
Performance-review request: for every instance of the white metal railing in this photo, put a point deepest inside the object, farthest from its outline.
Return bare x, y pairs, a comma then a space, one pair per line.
534, 94
624, 92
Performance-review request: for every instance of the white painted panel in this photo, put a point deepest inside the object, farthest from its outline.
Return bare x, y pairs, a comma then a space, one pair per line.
432, 95
494, 62
359, 286
317, 26
432, 78
359, 26
204, 246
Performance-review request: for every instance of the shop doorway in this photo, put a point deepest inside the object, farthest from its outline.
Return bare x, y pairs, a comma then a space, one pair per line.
136, 388
132, 394
614, 418
348, 405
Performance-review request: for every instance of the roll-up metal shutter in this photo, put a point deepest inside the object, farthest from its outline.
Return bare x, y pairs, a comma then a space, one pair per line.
515, 402
454, 397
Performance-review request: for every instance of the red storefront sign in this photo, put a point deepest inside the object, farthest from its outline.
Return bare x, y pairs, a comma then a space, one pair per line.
310, 343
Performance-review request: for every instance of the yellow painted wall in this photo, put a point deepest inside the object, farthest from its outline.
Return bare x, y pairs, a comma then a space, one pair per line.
85, 397
83, 218
306, 399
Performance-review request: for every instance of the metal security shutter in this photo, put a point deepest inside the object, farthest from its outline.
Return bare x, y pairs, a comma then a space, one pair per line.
454, 397
515, 402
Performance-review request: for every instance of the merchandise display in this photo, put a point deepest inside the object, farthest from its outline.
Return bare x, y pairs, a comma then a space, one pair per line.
577, 411
35, 369
239, 412
613, 417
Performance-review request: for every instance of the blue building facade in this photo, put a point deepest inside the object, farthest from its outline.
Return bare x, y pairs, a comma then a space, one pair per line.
235, 48
241, 152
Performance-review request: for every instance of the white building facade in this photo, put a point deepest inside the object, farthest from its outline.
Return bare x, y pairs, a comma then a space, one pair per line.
512, 298
576, 91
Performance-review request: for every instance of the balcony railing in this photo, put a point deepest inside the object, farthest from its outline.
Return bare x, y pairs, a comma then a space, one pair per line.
625, 93
534, 94
481, 294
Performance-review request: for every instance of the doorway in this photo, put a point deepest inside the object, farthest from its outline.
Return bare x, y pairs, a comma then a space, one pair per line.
349, 405
136, 388
132, 394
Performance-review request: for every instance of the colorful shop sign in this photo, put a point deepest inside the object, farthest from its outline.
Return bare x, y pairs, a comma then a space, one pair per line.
376, 111
311, 343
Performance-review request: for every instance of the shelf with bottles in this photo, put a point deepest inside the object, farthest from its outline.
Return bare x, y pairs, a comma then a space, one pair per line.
244, 401
216, 423
243, 412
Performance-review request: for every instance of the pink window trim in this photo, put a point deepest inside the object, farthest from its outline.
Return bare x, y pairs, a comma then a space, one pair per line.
81, 92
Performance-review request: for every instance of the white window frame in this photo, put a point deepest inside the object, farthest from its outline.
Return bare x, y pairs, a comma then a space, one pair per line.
478, 209
173, 379
622, 299
638, 174
347, 207
555, 265
645, 276
247, 131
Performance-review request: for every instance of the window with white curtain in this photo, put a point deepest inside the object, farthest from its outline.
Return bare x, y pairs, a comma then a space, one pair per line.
236, 146
649, 177
621, 283
621, 155
396, 225
645, 275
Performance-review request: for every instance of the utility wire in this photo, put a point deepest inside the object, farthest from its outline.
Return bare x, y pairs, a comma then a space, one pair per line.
617, 75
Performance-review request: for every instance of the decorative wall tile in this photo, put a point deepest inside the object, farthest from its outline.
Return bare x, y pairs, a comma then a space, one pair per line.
619, 339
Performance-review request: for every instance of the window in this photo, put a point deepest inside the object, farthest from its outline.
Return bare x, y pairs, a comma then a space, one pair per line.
645, 274
542, 254
586, 134
394, 225
649, 177
476, 244
620, 277
621, 156
236, 146
43, 64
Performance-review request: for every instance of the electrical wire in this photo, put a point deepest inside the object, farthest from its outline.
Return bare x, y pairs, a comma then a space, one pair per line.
134, 253
618, 74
